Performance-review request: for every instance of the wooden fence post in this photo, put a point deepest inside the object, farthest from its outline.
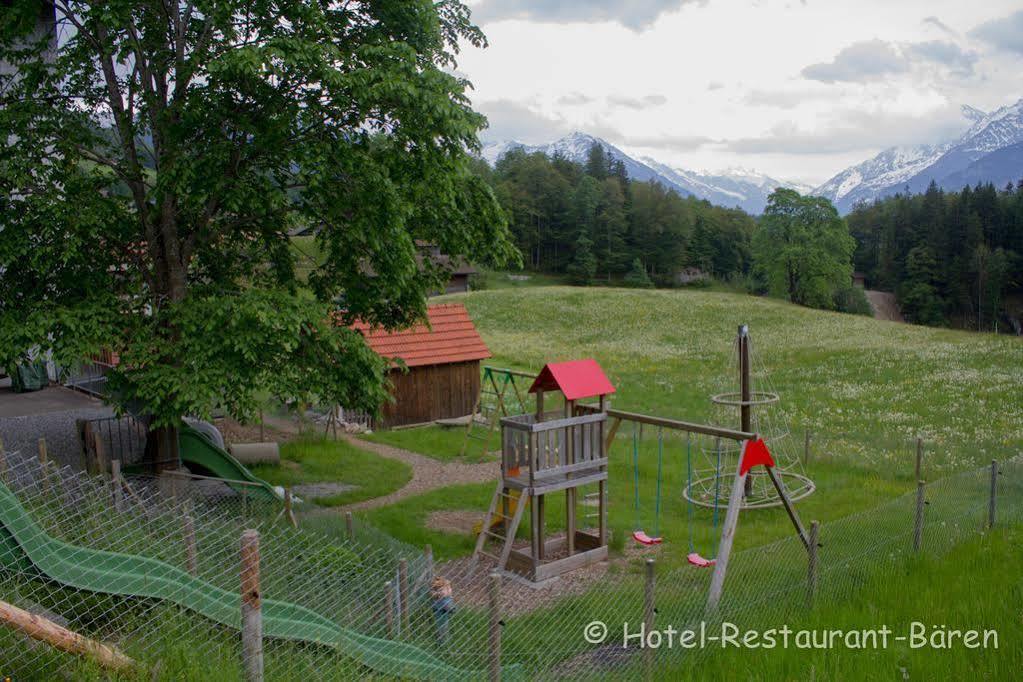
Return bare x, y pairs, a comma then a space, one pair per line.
350, 526
188, 535
3, 463
101, 454
403, 596
648, 619
115, 482
495, 627
918, 525
919, 456
44, 465
811, 564
252, 622
994, 493
428, 561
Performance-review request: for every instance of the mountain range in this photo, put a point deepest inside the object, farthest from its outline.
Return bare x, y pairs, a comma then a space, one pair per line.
739, 187
991, 150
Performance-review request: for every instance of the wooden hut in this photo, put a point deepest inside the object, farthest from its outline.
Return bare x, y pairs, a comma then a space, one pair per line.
443, 360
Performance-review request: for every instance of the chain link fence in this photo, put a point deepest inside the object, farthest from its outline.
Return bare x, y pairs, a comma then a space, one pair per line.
143, 579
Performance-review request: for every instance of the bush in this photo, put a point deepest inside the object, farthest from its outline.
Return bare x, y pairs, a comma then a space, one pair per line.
853, 300
637, 278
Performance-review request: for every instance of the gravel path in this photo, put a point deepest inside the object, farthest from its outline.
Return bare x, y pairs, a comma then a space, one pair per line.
427, 473
884, 306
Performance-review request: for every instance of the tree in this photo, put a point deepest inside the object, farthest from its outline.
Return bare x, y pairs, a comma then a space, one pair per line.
637, 278
583, 267
154, 167
804, 249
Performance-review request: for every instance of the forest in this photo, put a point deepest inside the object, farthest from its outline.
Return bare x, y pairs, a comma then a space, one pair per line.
952, 258
590, 222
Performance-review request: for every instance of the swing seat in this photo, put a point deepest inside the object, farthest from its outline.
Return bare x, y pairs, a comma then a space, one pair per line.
696, 560
644, 539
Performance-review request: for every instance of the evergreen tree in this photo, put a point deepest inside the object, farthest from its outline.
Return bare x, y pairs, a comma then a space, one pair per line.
583, 267
637, 277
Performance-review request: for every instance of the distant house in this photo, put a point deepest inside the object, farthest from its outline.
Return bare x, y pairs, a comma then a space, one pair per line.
459, 268
443, 361
859, 279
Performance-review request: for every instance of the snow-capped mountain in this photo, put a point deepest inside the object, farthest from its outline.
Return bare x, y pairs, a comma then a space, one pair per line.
746, 189
951, 165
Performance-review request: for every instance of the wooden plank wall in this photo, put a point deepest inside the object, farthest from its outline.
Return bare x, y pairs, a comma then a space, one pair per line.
432, 392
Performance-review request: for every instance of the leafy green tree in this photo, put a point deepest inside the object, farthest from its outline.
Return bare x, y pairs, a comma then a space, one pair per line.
637, 278
153, 162
583, 267
918, 296
803, 248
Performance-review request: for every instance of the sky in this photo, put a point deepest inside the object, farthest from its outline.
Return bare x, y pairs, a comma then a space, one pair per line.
797, 89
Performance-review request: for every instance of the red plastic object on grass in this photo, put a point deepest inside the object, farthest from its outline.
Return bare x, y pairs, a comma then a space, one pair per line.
696, 560
642, 538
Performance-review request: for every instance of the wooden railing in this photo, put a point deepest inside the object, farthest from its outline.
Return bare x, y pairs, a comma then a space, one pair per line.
552, 448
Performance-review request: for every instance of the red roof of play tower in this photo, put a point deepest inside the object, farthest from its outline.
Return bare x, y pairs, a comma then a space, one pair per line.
576, 379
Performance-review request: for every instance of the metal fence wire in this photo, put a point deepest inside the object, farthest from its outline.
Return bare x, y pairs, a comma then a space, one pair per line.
143, 579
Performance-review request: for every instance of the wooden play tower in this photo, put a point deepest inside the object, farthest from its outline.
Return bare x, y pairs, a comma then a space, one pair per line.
545, 453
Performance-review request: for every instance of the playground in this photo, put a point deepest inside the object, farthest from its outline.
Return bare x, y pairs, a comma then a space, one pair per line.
632, 467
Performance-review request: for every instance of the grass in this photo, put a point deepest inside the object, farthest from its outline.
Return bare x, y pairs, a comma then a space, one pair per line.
439, 442
320, 460
977, 586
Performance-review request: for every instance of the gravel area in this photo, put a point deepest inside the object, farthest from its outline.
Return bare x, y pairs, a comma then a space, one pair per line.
58, 428
310, 491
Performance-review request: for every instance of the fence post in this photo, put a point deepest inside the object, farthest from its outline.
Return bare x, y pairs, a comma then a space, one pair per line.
428, 560
101, 454
806, 449
350, 526
43, 465
495, 627
648, 619
994, 492
811, 564
403, 596
919, 456
918, 525
115, 481
188, 535
252, 623
3, 462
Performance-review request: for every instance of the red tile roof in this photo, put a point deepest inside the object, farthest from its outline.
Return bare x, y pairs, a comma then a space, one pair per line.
450, 337
576, 379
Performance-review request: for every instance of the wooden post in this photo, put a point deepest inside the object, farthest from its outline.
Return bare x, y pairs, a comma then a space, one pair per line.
101, 454
3, 463
44, 457
811, 564
495, 627
115, 482
389, 608
403, 596
994, 492
43, 466
648, 619
350, 526
745, 395
918, 524
428, 561
806, 449
919, 456
717, 580
188, 536
252, 617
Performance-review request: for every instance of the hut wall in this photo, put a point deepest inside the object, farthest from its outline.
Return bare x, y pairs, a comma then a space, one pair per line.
432, 392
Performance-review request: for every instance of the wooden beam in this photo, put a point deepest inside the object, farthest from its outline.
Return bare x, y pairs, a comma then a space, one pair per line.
717, 580
676, 424
790, 509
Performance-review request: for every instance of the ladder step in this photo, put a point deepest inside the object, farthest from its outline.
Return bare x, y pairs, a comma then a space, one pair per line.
495, 535
489, 555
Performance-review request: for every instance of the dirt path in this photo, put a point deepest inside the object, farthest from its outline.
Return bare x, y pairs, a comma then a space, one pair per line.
427, 473
884, 306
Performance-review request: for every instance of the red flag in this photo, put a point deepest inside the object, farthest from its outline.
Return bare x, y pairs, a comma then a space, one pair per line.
756, 453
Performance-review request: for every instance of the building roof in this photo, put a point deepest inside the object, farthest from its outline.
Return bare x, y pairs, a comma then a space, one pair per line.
576, 379
450, 337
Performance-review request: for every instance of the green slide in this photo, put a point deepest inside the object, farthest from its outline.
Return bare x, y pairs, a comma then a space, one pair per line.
24, 545
196, 449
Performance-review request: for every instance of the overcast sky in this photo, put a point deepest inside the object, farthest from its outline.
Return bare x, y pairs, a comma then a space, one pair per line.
796, 89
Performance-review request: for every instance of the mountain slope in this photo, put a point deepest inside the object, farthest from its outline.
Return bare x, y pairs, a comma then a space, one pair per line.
902, 169
741, 188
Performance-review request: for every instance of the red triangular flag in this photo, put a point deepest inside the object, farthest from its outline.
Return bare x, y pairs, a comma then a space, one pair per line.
756, 453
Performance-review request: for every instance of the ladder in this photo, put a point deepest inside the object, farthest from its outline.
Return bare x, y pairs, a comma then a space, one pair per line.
501, 500
491, 405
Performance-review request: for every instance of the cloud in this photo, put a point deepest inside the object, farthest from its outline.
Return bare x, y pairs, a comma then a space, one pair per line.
715, 85
675, 143
516, 121
945, 53
858, 62
574, 99
637, 103
633, 14
853, 130
1005, 33
939, 24
780, 99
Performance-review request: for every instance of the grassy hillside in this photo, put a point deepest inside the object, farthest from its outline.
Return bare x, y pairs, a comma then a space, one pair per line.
863, 385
